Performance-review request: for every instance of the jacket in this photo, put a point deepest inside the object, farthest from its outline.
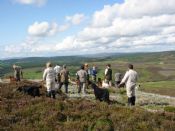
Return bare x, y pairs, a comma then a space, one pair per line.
64, 75
49, 74
130, 78
82, 75
108, 74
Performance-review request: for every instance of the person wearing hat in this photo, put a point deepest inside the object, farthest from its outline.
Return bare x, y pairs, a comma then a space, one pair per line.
130, 80
49, 77
82, 78
64, 75
18, 74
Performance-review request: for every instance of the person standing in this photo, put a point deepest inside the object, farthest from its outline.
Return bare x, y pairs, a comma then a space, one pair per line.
82, 78
118, 78
64, 75
108, 74
49, 77
57, 70
130, 80
18, 74
94, 73
86, 68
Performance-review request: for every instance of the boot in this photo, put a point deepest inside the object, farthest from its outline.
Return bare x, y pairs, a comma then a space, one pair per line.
133, 100
48, 94
53, 94
129, 101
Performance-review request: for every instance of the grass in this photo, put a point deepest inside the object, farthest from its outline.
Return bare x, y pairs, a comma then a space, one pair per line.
160, 87
170, 109
33, 73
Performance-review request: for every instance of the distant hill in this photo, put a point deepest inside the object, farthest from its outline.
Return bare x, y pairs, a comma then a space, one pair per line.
165, 57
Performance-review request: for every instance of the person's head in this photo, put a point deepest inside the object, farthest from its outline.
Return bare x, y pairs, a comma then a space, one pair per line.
14, 66
82, 67
86, 65
130, 66
108, 65
64, 66
48, 64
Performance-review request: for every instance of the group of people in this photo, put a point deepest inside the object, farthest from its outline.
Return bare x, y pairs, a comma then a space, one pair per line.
60, 76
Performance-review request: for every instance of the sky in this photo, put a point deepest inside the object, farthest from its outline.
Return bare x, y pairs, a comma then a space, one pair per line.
63, 27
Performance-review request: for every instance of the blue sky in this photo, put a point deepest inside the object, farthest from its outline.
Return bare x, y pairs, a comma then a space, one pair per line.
61, 27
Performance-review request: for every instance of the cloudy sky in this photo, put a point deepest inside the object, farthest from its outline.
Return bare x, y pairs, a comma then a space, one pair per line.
64, 27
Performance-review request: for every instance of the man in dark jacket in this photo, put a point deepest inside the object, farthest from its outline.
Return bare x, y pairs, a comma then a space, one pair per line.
108, 74
64, 74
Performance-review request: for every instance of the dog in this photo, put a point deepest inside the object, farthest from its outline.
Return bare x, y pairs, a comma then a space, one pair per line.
100, 93
31, 90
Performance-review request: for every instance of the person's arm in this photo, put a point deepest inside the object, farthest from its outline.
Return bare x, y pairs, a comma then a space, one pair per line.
137, 77
21, 74
44, 74
68, 75
124, 80
106, 71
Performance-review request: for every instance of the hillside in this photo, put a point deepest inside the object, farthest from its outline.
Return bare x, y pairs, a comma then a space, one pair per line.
32, 62
19, 111
74, 112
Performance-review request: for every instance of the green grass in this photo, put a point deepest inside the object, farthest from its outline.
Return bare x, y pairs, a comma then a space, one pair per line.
161, 87
170, 109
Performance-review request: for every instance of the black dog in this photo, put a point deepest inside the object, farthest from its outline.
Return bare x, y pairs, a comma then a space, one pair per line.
100, 94
30, 90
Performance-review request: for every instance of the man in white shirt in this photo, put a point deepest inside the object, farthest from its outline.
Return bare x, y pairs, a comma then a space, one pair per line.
130, 80
57, 70
49, 77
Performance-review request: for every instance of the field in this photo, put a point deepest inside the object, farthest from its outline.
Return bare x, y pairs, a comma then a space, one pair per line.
161, 87
151, 67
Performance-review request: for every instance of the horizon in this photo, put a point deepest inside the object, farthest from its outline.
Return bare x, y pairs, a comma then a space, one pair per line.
87, 55
43, 28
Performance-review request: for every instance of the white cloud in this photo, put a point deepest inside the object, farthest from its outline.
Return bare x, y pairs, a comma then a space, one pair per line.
135, 25
32, 2
44, 29
75, 19
63, 28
